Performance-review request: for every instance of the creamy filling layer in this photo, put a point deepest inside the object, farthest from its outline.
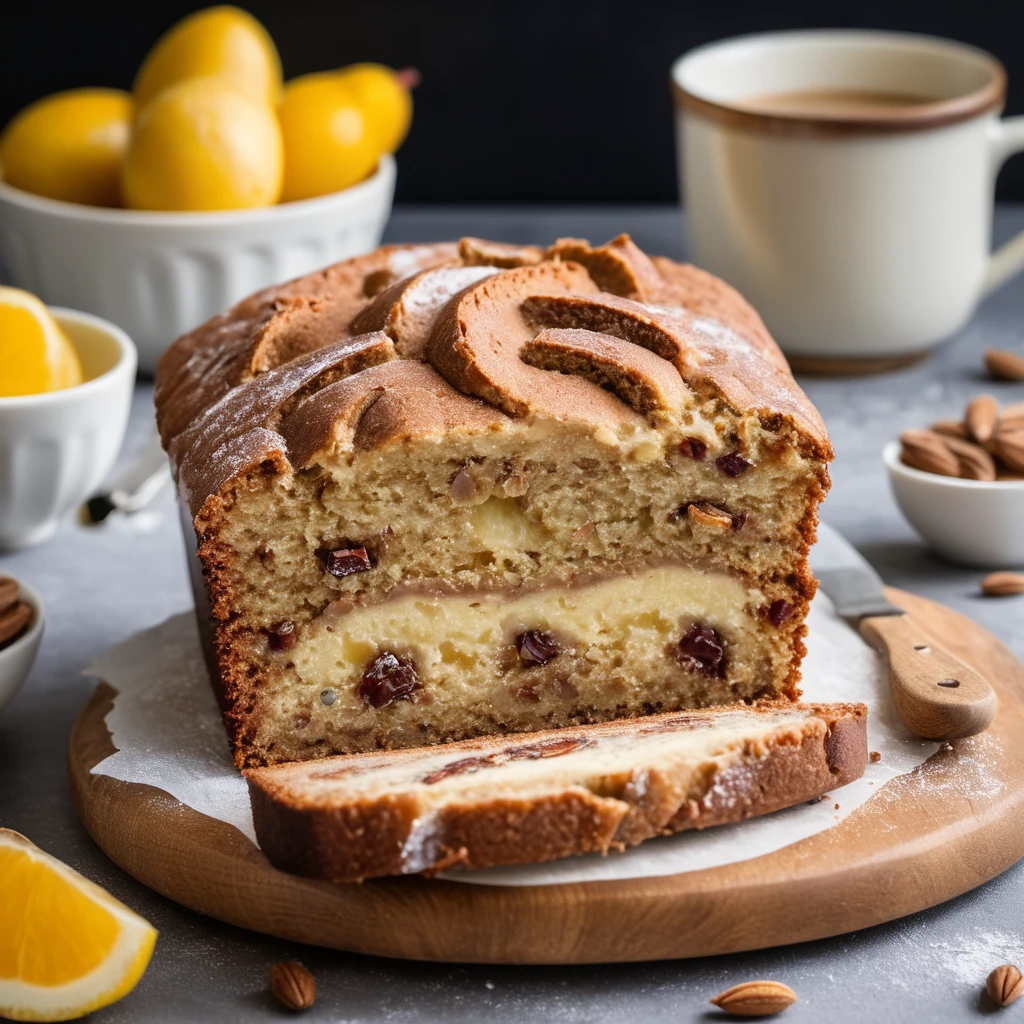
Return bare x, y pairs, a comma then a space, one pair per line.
449, 646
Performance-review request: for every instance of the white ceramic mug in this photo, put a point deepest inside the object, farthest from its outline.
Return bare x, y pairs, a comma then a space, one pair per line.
863, 240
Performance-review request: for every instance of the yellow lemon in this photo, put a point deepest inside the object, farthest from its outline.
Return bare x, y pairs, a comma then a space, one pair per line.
69, 146
35, 354
225, 42
200, 145
328, 144
385, 101
67, 947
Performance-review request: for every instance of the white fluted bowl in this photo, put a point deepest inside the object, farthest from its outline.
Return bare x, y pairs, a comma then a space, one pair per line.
56, 448
973, 522
158, 275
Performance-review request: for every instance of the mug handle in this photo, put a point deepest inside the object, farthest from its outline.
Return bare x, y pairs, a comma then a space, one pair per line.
1006, 137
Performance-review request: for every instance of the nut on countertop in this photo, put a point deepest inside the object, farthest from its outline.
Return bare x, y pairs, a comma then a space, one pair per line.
292, 985
1003, 584
755, 999
1005, 985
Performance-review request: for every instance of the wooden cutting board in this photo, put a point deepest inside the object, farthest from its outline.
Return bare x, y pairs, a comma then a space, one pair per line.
953, 823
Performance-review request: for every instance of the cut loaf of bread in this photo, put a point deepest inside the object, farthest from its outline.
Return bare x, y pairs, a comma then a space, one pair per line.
443, 492
540, 796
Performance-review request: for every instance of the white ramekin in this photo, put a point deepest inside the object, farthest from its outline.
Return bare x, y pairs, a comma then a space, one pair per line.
16, 659
56, 448
157, 275
967, 521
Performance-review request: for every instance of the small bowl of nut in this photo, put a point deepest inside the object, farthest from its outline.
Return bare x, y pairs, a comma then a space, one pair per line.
960, 483
21, 630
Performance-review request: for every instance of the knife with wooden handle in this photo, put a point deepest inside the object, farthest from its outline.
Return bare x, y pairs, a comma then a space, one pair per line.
935, 693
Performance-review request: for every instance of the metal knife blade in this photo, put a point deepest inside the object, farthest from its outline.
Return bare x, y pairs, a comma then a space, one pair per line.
131, 489
846, 577
938, 696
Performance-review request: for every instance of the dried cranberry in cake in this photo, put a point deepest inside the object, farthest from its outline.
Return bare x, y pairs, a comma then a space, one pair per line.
693, 448
701, 650
779, 611
347, 558
282, 636
389, 677
537, 647
732, 464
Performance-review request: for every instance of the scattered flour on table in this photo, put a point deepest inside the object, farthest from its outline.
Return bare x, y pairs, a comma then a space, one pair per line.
966, 959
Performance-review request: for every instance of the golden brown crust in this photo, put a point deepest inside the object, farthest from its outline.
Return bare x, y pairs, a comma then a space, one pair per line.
476, 319
345, 838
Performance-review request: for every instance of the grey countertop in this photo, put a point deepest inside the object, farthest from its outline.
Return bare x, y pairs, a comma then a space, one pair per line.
103, 584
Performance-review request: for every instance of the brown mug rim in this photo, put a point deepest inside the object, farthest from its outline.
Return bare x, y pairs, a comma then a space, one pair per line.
894, 120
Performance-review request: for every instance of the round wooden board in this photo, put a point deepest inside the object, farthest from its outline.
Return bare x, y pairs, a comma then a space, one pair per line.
953, 823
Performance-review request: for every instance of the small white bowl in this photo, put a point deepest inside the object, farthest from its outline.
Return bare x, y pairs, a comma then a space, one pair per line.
16, 659
158, 275
967, 521
56, 448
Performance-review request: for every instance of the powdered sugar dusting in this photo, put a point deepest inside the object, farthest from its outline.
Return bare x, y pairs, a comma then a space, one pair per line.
722, 335
405, 262
416, 310
419, 851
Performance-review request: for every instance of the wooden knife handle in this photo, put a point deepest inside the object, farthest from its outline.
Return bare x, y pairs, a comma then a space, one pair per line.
935, 693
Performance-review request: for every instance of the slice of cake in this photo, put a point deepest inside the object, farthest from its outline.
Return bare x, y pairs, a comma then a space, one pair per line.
540, 796
446, 492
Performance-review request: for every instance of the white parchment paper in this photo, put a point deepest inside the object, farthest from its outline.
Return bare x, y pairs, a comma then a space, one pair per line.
167, 730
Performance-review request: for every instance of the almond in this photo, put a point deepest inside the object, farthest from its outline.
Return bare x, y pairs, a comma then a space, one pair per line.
1005, 985
975, 462
8, 592
292, 985
925, 450
1004, 365
1012, 417
13, 621
949, 428
981, 417
706, 514
1009, 449
1002, 584
755, 999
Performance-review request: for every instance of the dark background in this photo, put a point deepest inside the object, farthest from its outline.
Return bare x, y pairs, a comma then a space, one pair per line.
523, 100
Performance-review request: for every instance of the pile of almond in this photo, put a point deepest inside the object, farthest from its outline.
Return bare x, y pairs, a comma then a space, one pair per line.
15, 614
987, 444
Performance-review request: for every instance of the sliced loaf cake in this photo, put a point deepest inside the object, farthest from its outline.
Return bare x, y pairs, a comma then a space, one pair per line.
541, 796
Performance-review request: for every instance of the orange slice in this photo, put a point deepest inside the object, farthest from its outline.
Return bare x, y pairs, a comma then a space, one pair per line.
35, 354
67, 947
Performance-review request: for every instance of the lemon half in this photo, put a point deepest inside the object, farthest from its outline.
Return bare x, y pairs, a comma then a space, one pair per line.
35, 354
67, 947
